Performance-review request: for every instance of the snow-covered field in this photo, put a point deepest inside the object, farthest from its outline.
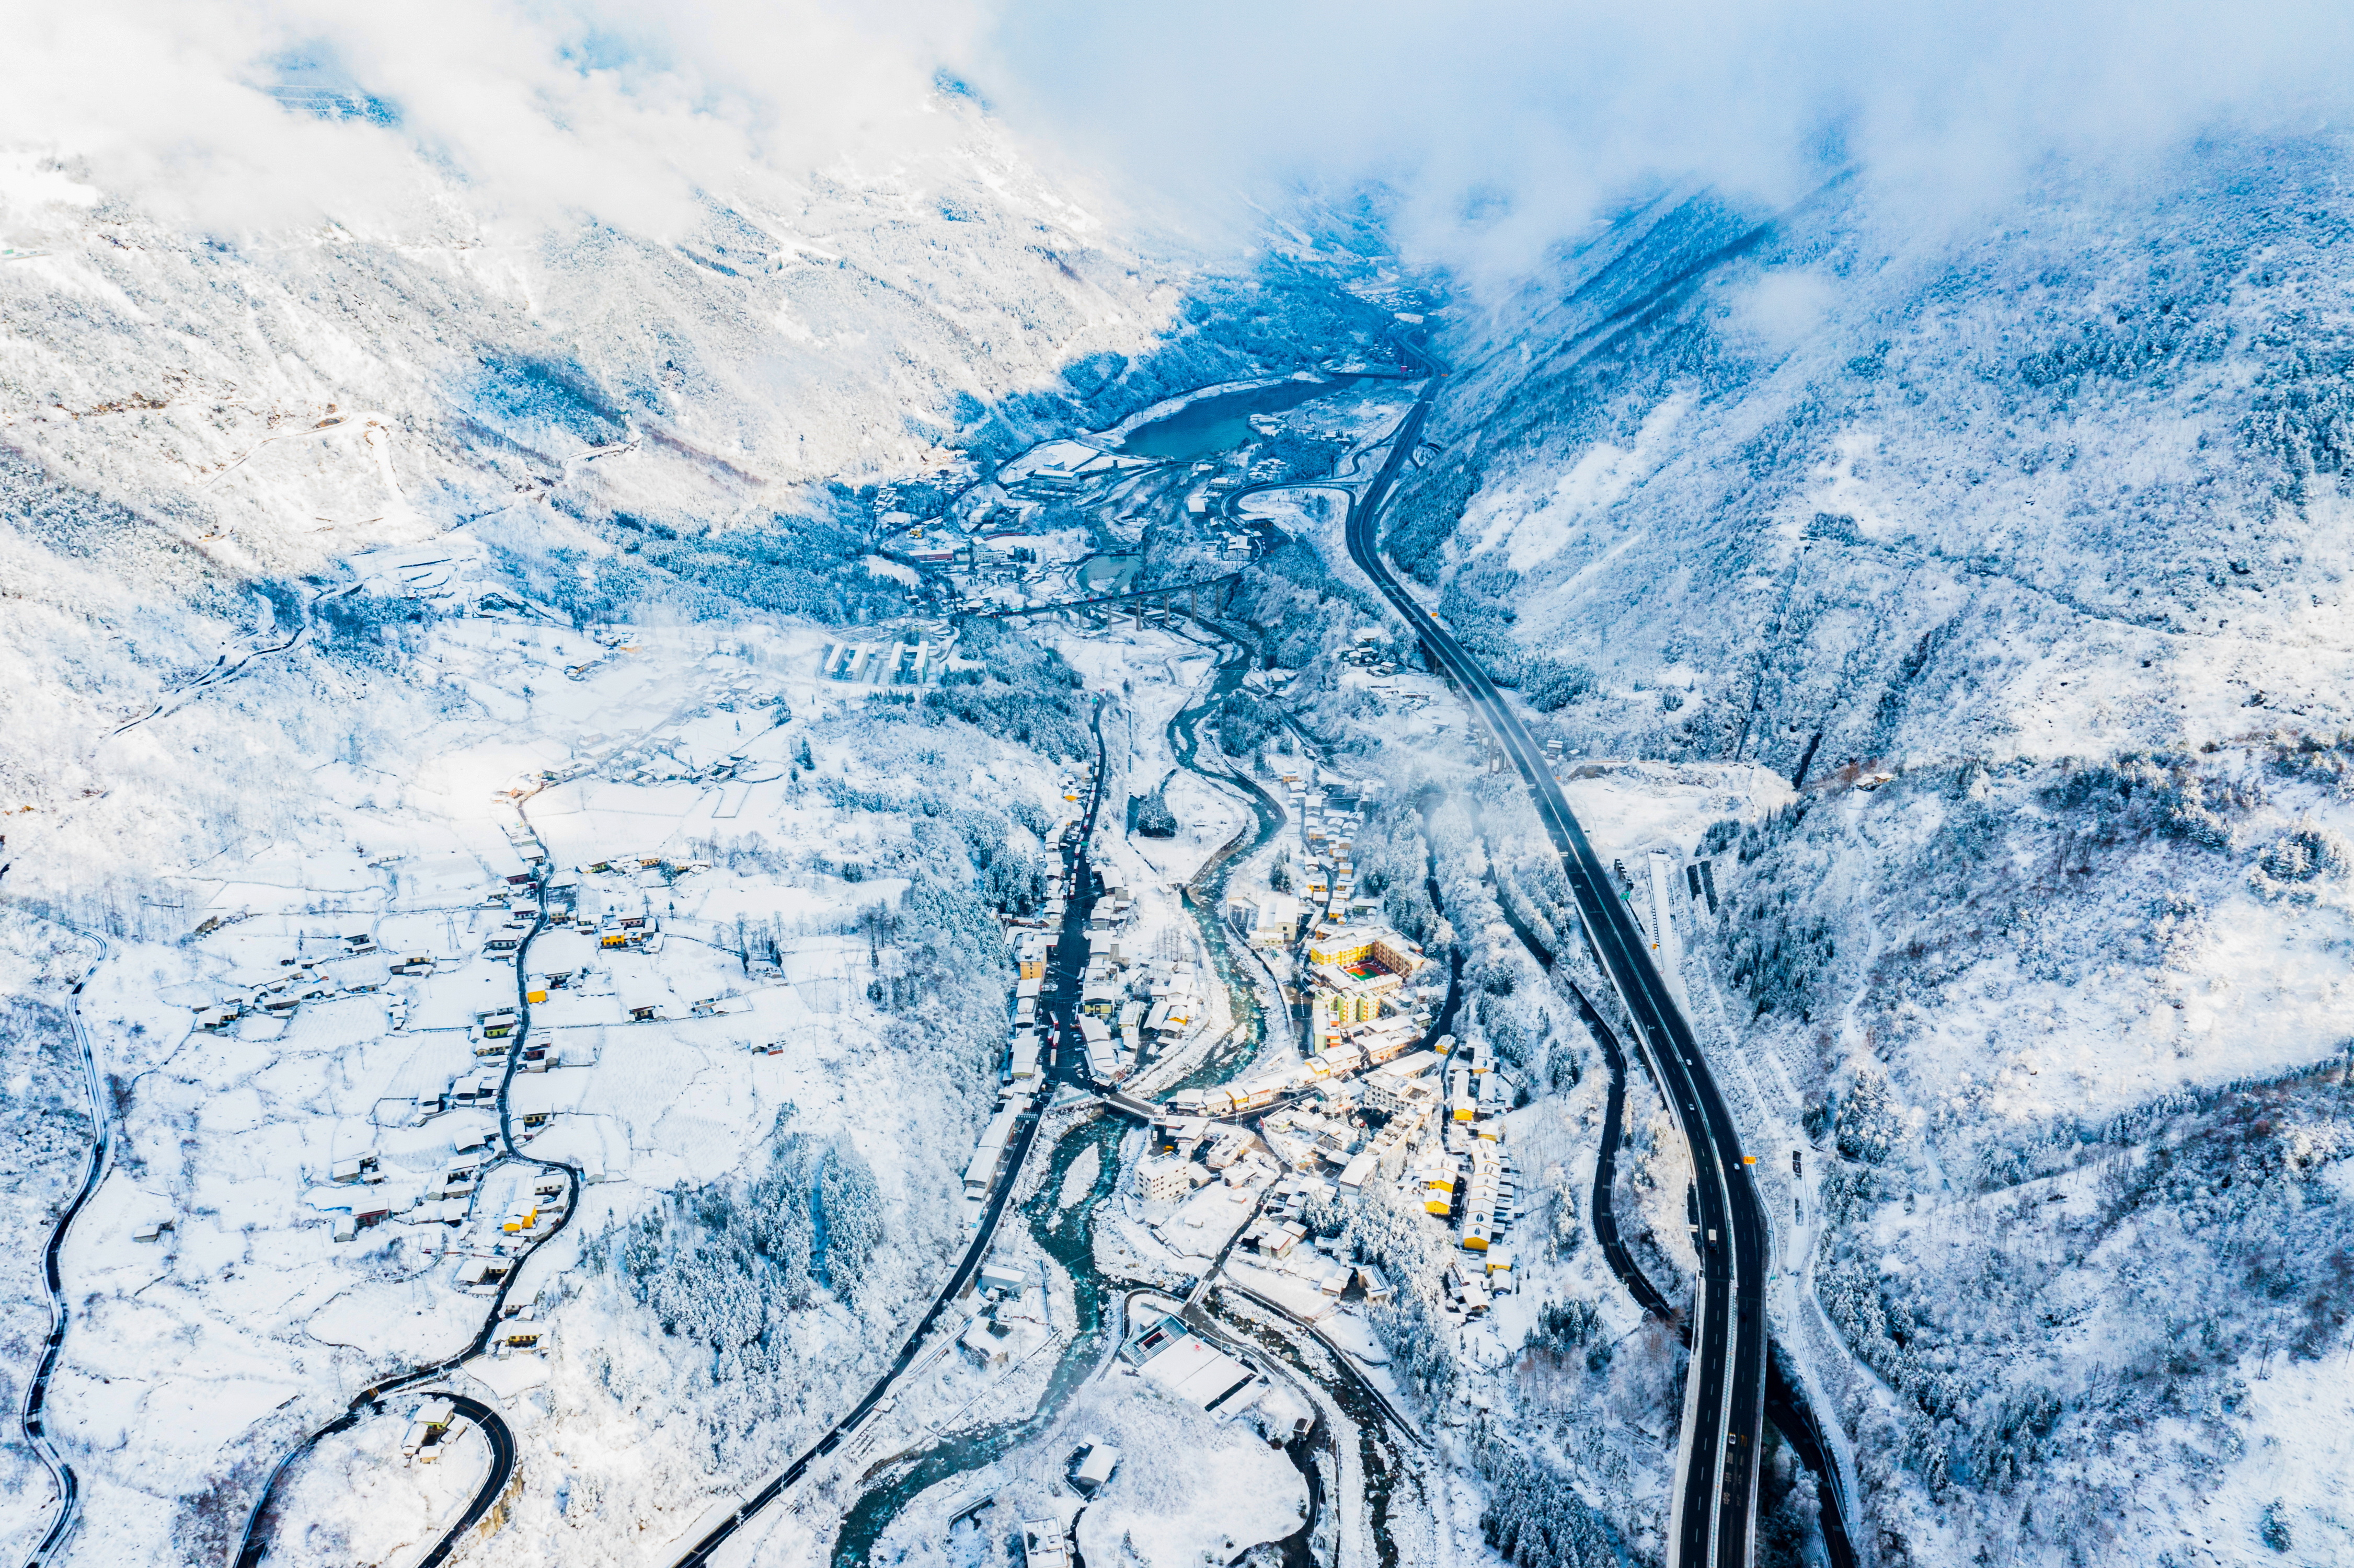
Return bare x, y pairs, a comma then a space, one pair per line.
198, 1355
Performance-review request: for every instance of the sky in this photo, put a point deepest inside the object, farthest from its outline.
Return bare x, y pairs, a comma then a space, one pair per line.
1501, 128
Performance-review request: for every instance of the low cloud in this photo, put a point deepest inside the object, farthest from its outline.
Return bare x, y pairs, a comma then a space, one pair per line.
256, 113
1499, 128
1508, 125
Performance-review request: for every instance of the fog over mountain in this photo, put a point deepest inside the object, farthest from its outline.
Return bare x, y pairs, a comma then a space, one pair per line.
794, 783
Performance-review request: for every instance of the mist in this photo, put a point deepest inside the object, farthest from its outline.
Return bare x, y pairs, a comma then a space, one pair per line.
1501, 128
1493, 130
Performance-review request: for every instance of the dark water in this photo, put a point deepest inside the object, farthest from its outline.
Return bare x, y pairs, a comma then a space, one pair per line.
1214, 425
1211, 426
1108, 573
1208, 904
1365, 1412
1068, 1239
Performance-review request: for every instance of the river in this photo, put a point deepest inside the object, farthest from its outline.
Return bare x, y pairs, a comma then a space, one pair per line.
1066, 1232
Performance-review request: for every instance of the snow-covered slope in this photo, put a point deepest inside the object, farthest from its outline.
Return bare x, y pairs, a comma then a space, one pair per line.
274, 503
2021, 533
2057, 476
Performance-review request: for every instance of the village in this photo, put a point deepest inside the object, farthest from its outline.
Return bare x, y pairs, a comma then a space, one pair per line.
641, 921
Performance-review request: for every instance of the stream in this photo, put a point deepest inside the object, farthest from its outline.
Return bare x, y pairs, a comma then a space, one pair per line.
1206, 894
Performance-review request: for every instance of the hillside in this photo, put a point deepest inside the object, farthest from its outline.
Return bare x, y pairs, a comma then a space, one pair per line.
2019, 536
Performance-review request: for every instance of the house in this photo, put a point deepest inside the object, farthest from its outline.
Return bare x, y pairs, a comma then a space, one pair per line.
1001, 1276
1095, 1037
1165, 1178
1045, 1543
1267, 919
456, 1182
1399, 1087
981, 1173
1192, 1370
427, 1428
1359, 951
1096, 1468
483, 1272
1030, 955
988, 1339
358, 1168
525, 1334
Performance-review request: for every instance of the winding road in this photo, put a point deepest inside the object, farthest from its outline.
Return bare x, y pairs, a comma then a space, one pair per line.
370, 1399
33, 1417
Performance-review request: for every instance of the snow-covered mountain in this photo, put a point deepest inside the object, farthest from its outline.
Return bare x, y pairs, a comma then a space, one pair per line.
303, 532
2020, 534
1965, 584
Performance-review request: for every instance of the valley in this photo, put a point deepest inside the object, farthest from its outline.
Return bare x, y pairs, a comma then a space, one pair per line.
961, 894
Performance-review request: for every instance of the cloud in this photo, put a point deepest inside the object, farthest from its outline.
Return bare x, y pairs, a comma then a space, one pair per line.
532, 113
1500, 126
1509, 124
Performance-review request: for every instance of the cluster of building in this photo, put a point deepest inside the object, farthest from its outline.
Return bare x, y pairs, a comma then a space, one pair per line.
305, 981
1191, 1150
524, 840
611, 642
1433, 1119
1358, 975
1326, 824
1127, 1001
1281, 1237
1467, 1176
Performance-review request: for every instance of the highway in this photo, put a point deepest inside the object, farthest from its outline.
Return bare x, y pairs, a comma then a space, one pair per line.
1714, 1516
1787, 1409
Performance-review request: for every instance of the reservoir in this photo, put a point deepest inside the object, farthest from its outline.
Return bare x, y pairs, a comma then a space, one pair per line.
1213, 425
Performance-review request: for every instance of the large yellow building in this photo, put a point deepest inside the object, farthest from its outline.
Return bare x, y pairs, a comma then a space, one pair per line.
1358, 949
